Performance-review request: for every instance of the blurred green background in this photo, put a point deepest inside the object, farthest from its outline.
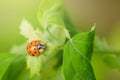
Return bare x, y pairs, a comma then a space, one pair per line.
83, 14
12, 12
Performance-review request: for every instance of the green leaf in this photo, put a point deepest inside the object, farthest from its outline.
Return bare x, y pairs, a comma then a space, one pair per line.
48, 13
27, 30
15, 69
34, 64
52, 68
55, 35
5, 61
112, 61
101, 45
111, 56
25, 75
19, 49
50, 18
77, 55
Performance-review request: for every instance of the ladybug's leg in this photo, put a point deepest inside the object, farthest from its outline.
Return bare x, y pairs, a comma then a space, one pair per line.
41, 50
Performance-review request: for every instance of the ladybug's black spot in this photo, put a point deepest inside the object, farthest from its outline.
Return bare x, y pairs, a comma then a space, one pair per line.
33, 55
35, 52
31, 43
34, 48
30, 52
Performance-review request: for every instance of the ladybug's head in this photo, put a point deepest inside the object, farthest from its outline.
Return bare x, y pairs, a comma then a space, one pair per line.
41, 46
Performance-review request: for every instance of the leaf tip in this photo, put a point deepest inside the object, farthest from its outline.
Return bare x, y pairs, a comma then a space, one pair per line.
94, 27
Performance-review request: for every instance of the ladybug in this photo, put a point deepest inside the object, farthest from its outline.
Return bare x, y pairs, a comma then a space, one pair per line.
35, 47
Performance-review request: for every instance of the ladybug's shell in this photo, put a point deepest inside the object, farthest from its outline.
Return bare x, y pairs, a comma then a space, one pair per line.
32, 48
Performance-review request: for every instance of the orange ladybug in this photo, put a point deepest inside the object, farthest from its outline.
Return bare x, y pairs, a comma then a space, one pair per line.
35, 47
